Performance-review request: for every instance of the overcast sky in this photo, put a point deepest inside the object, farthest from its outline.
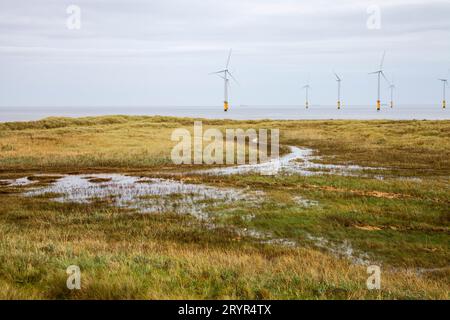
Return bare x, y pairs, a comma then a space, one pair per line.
159, 52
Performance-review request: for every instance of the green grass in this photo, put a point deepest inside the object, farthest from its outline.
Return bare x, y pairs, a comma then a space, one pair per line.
416, 220
402, 224
126, 255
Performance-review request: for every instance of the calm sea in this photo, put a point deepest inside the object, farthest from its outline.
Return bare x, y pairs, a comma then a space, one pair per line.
400, 112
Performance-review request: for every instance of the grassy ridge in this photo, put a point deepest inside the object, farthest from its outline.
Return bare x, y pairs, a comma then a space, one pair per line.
414, 147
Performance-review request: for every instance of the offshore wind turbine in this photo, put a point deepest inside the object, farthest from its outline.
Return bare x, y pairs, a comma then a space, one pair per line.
380, 73
392, 87
307, 95
307, 87
339, 80
226, 75
444, 85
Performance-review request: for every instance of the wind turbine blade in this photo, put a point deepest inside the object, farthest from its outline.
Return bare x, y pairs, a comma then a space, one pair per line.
234, 79
229, 57
222, 71
382, 60
384, 76
337, 77
374, 72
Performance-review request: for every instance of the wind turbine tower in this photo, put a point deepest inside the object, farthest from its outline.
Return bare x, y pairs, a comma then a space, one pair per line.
339, 80
226, 75
392, 87
380, 73
444, 85
307, 95
306, 88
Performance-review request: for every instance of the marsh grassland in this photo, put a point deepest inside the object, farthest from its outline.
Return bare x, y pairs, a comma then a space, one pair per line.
302, 237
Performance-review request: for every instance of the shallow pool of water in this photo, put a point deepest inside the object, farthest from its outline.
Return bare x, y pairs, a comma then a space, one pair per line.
16, 182
147, 195
300, 161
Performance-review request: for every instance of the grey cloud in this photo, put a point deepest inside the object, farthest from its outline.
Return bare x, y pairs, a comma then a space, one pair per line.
291, 36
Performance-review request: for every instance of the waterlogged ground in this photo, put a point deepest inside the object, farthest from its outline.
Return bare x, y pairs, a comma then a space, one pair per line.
95, 193
151, 196
300, 161
156, 195
143, 194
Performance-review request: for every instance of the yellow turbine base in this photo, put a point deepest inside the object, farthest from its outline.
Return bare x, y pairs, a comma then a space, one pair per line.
339, 105
307, 104
378, 105
225, 106
443, 104
392, 104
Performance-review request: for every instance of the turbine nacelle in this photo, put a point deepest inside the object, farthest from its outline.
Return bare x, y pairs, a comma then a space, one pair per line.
381, 72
